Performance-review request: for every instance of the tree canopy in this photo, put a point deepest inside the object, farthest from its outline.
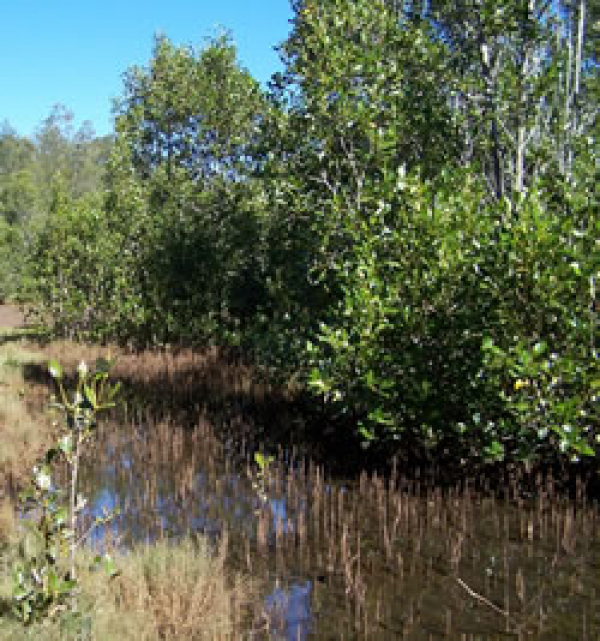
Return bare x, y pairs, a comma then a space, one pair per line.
402, 224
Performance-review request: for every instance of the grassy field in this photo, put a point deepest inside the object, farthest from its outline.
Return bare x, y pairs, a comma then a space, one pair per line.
163, 590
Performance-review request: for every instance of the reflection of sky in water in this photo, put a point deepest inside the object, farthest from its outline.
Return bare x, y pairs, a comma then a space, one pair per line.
289, 611
105, 501
279, 512
289, 608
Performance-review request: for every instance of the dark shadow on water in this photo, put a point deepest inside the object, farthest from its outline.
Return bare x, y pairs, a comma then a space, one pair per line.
226, 391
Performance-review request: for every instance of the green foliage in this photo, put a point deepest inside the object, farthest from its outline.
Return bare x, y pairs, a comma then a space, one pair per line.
404, 225
400, 354
11, 252
411, 264
44, 581
72, 268
542, 356
32, 172
423, 292
260, 476
369, 86
41, 586
17, 188
181, 205
547, 398
76, 157
189, 110
17, 196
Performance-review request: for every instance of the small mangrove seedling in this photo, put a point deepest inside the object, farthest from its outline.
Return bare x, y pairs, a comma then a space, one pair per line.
44, 577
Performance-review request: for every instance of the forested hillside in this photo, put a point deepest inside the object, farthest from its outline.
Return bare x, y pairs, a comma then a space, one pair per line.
402, 224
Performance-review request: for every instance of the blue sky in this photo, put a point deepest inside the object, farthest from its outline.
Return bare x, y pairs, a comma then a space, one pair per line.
74, 52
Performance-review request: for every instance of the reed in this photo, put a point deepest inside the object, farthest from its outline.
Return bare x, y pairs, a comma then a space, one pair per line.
387, 553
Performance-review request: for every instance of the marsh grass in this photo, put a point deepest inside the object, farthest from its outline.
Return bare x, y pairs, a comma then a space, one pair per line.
25, 428
21, 433
388, 556
169, 590
166, 590
186, 590
7, 522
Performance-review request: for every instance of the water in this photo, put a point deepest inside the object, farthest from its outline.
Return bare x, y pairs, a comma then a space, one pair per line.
360, 558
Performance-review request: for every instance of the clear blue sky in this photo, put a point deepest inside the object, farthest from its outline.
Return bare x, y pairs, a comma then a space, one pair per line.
74, 52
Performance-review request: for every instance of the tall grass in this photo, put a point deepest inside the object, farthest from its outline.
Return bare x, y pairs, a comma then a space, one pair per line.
25, 430
178, 591
164, 590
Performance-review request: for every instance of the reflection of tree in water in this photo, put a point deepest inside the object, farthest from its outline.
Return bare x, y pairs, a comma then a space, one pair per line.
375, 555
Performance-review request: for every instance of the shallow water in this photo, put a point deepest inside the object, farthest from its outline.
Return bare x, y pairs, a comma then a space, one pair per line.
365, 558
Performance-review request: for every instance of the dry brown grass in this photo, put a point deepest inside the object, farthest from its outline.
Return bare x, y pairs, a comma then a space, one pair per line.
11, 317
164, 590
176, 591
172, 591
25, 428
7, 520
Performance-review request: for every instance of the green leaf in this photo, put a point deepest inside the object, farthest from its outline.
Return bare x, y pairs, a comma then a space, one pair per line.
316, 381
60, 516
55, 370
67, 586
20, 593
108, 565
90, 395
113, 391
366, 432
495, 451
263, 461
584, 449
487, 344
53, 584
378, 415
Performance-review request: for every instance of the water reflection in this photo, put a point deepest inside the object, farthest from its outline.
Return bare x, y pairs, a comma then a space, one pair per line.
289, 611
379, 558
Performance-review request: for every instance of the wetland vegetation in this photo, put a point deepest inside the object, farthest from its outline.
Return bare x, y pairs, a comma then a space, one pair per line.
315, 553
355, 323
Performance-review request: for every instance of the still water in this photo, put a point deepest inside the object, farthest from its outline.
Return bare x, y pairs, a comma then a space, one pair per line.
371, 557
